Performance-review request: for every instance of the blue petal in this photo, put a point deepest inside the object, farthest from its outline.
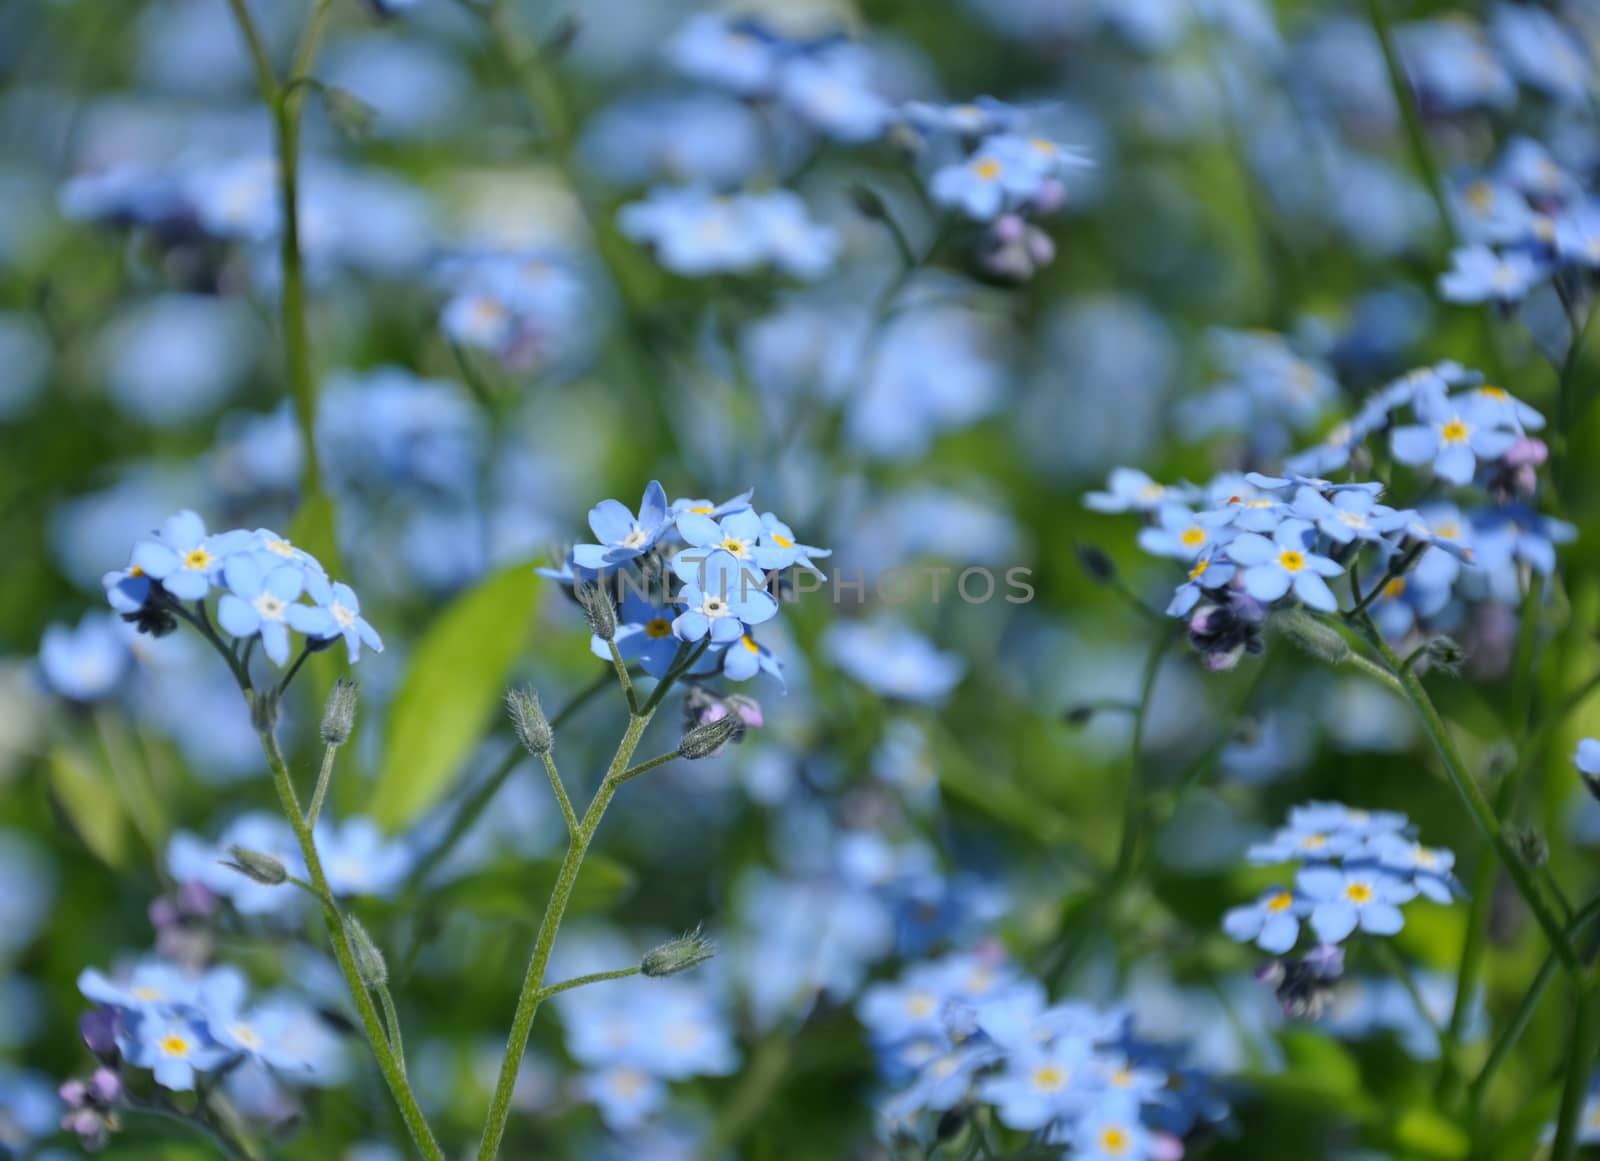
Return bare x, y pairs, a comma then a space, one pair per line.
611, 521
1333, 921
237, 616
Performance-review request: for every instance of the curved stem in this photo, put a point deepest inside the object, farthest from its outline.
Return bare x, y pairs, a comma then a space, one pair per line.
643, 767
324, 776
1532, 883
584, 981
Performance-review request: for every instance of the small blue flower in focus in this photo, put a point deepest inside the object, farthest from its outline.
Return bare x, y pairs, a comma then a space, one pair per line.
264, 603
623, 536
742, 535
337, 613
183, 558
644, 634
1273, 567
1455, 435
1343, 900
1349, 515
722, 599
174, 1047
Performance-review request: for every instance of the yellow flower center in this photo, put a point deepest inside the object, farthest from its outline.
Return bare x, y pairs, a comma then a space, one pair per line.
1199, 569
1313, 841
1394, 588
197, 558
1358, 893
1291, 560
749, 643
920, 1004
1193, 536
736, 546
1048, 1077
1480, 195
1493, 392
174, 1045
658, 627
703, 510
280, 548
782, 541
1455, 432
148, 994
1121, 1078
988, 169
135, 570
1282, 901
1114, 1140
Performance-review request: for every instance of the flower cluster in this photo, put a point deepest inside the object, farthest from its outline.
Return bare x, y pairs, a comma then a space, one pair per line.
260, 577
179, 1024
1357, 868
726, 559
1250, 541
526, 310
969, 1029
696, 232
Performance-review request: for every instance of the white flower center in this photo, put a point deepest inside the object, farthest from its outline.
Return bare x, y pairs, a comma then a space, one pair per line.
635, 539
270, 607
343, 616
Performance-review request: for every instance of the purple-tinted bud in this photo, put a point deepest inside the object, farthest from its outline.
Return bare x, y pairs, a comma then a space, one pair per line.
1326, 960
163, 912
1527, 452
1050, 196
1009, 228
73, 1093
98, 1027
748, 709
1270, 972
105, 1086
1040, 248
197, 900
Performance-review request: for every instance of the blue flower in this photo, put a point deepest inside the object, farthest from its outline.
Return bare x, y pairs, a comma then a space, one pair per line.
152, 985
625, 1095
740, 56
1040, 1084
707, 508
86, 662
1179, 534
1323, 830
644, 634
984, 184
264, 603
1273, 567
174, 1047
1211, 571
337, 613
972, 119
832, 91
722, 600
623, 536
742, 535
746, 657
1272, 922
1481, 275
1348, 515
183, 558
1343, 900
893, 660
359, 859
1130, 490
1431, 869
777, 535
1453, 436
1114, 1132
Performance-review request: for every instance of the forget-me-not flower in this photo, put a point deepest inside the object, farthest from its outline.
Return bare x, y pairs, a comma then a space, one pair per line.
1481, 275
1272, 922
183, 558
721, 600
1273, 567
264, 602
1454, 436
1343, 899
622, 535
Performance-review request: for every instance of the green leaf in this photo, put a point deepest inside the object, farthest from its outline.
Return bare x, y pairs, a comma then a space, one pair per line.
451, 693
90, 803
1428, 1134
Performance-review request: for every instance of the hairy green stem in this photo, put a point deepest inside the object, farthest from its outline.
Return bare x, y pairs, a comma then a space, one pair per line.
584, 981
623, 679
559, 789
389, 1063
324, 776
533, 981
643, 767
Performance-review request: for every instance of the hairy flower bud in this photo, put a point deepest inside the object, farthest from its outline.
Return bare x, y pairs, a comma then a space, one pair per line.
1530, 844
1100, 567
370, 964
339, 715
528, 721
705, 740
688, 951
257, 866
1314, 638
598, 609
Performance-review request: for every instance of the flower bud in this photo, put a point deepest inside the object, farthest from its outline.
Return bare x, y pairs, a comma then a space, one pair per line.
370, 964
98, 1027
528, 721
1100, 567
1078, 716
868, 202
703, 741
1446, 653
598, 609
256, 866
1314, 638
339, 716
688, 951
1530, 844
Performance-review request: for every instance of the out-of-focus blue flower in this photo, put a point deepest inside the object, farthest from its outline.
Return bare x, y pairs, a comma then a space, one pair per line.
1272, 922
1114, 1132
86, 662
691, 138
893, 660
385, 429
173, 1047
626, 1096
737, 55
414, 87
1006, 172
695, 232
1431, 868
280, 1032
151, 986
1179, 535
173, 359
981, 117
831, 90
1478, 274
532, 311
1348, 515
190, 859
622, 535
1273, 567
1451, 64
359, 860
1130, 490
1342, 900
1037, 1085
721, 598
1323, 830
1543, 53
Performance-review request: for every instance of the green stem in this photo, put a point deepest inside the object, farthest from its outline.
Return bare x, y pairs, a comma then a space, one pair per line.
1416, 137
1580, 1060
533, 981
391, 1019
291, 672
230, 1147
750, 1098
389, 1063
642, 767
1133, 803
558, 788
324, 776
623, 679
1533, 884
583, 981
